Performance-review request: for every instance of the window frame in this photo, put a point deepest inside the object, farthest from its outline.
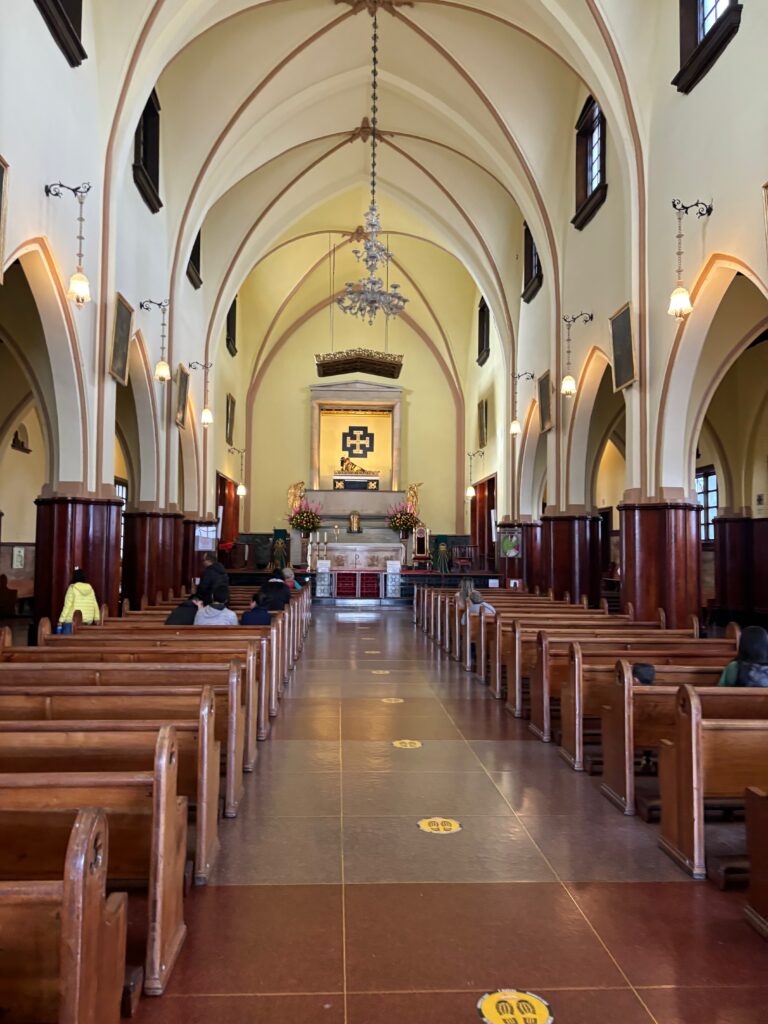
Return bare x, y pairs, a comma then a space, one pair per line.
483, 332
589, 202
146, 153
707, 528
193, 264
533, 275
698, 53
231, 328
66, 31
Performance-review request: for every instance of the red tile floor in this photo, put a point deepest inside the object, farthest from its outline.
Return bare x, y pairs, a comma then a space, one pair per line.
329, 905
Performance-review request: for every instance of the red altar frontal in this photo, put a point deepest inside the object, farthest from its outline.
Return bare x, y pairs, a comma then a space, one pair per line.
357, 585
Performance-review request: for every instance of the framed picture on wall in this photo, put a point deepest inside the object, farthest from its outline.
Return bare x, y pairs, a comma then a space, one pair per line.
545, 402
182, 395
230, 421
3, 210
624, 360
482, 422
122, 332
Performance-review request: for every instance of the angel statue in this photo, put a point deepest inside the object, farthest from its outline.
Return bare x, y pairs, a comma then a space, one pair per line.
295, 496
412, 498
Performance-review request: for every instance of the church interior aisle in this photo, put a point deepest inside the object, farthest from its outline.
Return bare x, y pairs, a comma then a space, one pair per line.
330, 905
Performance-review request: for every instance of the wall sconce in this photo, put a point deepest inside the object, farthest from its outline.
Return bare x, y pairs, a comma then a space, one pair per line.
515, 428
162, 369
480, 453
568, 383
241, 489
680, 301
206, 416
79, 290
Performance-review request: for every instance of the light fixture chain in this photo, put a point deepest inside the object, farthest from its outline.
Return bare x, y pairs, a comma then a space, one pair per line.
80, 228
374, 104
680, 246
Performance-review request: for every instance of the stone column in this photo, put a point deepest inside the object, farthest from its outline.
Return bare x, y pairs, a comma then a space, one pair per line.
660, 558
76, 532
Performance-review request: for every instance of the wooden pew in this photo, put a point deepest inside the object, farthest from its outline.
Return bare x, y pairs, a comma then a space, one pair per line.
553, 652
528, 654
169, 645
756, 910
720, 748
150, 691
46, 745
276, 669
62, 938
638, 718
148, 828
591, 685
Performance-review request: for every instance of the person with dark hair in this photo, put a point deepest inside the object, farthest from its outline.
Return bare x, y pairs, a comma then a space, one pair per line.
184, 614
216, 613
644, 674
274, 595
214, 574
80, 597
255, 615
751, 665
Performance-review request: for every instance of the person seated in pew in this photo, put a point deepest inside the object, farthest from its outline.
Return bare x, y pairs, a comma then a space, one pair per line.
185, 613
462, 594
475, 604
275, 595
289, 578
214, 574
751, 665
216, 613
256, 615
80, 597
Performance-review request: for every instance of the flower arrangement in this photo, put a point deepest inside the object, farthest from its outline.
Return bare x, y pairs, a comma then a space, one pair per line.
305, 517
402, 519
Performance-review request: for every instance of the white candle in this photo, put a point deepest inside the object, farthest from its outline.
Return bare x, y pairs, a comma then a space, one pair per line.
325, 537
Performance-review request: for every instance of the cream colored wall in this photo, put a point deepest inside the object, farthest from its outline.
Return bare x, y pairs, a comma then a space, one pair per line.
610, 483
737, 435
280, 452
491, 382
121, 466
21, 480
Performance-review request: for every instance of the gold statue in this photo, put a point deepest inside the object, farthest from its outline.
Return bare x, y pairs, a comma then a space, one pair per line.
412, 498
348, 466
295, 496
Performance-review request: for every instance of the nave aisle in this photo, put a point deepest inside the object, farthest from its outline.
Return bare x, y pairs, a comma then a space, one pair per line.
330, 905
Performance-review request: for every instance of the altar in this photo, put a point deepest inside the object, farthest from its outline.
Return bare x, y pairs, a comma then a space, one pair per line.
359, 556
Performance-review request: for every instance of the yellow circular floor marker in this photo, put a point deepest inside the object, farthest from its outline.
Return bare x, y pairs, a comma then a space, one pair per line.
392, 700
379, 671
406, 744
439, 826
509, 1006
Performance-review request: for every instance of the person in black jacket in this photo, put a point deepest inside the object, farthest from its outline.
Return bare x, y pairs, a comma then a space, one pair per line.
184, 614
214, 575
256, 615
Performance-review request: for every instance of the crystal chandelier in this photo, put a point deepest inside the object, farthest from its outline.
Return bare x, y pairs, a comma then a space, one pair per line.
371, 294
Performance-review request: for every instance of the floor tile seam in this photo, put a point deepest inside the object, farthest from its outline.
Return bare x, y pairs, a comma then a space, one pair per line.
558, 878
401, 992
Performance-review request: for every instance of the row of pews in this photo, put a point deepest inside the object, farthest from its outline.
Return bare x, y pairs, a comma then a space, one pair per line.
123, 747
682, 748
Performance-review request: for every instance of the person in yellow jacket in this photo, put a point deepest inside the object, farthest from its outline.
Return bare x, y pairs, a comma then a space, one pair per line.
80, 597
